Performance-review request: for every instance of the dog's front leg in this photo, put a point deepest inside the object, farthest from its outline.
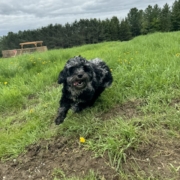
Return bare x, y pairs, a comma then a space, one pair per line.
62, 111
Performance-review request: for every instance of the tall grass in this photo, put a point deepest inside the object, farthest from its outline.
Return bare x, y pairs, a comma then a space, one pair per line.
145, 68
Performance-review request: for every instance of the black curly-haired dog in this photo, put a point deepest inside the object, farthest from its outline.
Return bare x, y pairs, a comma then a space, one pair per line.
83, 81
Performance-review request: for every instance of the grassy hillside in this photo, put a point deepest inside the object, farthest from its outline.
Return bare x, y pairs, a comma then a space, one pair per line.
133, 125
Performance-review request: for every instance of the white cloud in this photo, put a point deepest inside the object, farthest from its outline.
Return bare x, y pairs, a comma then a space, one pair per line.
32, 14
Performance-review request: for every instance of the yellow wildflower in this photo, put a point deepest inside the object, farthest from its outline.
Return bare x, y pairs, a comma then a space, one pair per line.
5, 83
31, 111
178, 54
82, 139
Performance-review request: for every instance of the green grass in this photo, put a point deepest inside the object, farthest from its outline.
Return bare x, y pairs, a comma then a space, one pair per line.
145, 69
58, 172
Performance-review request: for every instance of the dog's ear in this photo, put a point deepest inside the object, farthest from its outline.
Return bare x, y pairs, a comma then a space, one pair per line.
62, 76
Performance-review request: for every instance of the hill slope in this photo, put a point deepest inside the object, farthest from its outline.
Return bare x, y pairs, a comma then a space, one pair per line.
132, 131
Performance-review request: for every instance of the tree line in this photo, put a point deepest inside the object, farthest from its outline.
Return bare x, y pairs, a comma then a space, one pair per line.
89, 31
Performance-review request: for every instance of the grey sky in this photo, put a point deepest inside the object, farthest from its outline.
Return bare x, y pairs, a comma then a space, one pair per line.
32, 14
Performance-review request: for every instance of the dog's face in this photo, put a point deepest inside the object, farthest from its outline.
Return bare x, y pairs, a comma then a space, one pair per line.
78, 77
76, 73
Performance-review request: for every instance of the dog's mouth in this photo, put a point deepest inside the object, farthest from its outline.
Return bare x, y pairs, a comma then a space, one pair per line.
79, 84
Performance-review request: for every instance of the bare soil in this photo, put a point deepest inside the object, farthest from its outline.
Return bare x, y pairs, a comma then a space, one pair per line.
60, 156
43, 159
159, 159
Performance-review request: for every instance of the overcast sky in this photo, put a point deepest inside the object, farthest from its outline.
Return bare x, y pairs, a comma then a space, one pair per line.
22, 15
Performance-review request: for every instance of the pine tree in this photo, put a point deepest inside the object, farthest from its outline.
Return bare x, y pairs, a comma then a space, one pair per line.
106, 29
176, 16
151, 19
146, 20
135, 21
124, 30
155, 24
114, 28
165, 18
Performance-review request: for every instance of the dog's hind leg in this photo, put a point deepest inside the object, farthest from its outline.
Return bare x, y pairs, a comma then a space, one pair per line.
96, 95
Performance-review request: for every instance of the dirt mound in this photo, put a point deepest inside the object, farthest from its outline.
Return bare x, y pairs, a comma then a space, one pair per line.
158, 159
60, 157
126, 110
57, 157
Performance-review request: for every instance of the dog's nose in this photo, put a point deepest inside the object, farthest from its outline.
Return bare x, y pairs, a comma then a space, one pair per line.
80, 75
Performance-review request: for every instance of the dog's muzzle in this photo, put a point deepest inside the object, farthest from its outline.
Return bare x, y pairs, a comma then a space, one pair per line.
80, 81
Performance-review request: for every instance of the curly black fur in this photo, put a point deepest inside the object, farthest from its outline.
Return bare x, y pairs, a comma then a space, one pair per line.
83, 82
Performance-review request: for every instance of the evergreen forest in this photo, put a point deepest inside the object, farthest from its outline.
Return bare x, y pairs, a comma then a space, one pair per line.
91, 31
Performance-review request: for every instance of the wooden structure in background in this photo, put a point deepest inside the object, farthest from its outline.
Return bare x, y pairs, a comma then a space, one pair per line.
14, 52
28, 43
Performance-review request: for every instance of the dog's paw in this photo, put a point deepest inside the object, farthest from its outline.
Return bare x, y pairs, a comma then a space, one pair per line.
59, 120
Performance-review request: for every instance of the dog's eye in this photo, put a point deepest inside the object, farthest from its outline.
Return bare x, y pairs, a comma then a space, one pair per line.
86, 68
71, 70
